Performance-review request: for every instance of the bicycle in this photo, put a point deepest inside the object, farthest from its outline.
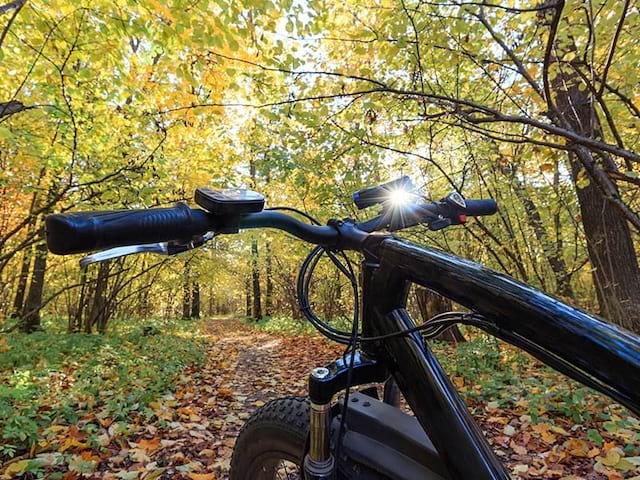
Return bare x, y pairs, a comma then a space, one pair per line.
363, 437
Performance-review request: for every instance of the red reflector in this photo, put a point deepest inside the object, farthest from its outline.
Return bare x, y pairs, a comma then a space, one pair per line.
462, 218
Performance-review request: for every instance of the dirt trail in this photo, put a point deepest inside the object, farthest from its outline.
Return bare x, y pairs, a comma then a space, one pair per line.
244, 369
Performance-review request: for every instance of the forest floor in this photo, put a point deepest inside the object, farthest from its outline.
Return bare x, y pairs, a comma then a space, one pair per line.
190, 433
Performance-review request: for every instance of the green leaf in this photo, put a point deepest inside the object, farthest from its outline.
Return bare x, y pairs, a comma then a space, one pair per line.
5, 133
595, 437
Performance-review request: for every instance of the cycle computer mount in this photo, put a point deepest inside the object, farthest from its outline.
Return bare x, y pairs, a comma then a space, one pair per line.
229, 202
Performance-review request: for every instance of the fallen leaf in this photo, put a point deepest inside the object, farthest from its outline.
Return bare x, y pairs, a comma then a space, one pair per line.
202, 476
611, 459
149, 445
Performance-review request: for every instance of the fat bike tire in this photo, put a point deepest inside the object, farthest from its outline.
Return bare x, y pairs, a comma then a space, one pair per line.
271, 444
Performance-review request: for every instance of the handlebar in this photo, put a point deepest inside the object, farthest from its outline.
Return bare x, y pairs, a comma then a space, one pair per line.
478, 208
86, 231
317, 234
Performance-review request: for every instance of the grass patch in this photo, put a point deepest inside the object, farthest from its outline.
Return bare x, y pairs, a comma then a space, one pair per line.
289, 326
489, 372
55, 379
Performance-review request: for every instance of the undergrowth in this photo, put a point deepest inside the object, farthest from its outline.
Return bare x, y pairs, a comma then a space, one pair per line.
292, 326
55, 378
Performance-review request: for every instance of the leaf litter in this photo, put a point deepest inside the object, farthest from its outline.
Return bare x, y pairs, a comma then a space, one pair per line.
190, 432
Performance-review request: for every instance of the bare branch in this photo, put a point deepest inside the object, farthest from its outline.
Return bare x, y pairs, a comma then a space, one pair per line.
492, 115
559, 6
17, 4
612, 49
489, 5
429, 160
299, 72
517, 62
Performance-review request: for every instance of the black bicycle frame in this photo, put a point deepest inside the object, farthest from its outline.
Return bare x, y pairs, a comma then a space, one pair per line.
578, 344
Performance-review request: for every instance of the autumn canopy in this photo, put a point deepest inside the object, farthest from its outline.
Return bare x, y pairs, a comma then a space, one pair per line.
134, 104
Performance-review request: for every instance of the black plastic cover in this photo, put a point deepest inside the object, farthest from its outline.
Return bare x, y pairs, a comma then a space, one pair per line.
229, 202
403, 450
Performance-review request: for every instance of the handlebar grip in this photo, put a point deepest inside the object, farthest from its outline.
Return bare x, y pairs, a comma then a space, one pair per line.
86, 231
476, 208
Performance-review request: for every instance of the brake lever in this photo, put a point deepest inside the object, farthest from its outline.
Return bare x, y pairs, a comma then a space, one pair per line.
439, 224
161, 248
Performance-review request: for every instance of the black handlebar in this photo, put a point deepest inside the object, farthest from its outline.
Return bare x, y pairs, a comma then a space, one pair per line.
477, 208
317, 234
86, 231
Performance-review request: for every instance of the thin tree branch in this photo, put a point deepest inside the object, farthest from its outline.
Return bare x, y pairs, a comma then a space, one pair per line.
17, 4
492, 115
612, 49
559, 6
510, 53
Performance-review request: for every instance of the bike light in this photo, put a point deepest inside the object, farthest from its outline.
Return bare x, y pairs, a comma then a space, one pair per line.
397, 191
399, 197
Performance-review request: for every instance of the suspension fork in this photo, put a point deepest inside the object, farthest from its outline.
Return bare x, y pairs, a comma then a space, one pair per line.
324, 383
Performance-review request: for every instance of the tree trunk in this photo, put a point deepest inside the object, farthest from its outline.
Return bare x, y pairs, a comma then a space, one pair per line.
99, 302
31, 311
431, 304
211, 304
195, 300
247, 296
22, 282
268, 306
552, 254
75, 319
255, 277
186, 293
27, 255
612, 255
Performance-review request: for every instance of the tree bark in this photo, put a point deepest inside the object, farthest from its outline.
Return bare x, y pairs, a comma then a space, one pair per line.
75, 319
31, 311
186, 293
255, 278
99, 303
612, 255
247, 296
614, 262
211, 304
28, 252
552, 254
268, 306
195, 300
22, 282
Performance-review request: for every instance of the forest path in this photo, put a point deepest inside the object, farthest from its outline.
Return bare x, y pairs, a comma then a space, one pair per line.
244, 369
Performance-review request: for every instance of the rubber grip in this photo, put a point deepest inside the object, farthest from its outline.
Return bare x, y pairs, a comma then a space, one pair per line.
476, 208
86, 231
